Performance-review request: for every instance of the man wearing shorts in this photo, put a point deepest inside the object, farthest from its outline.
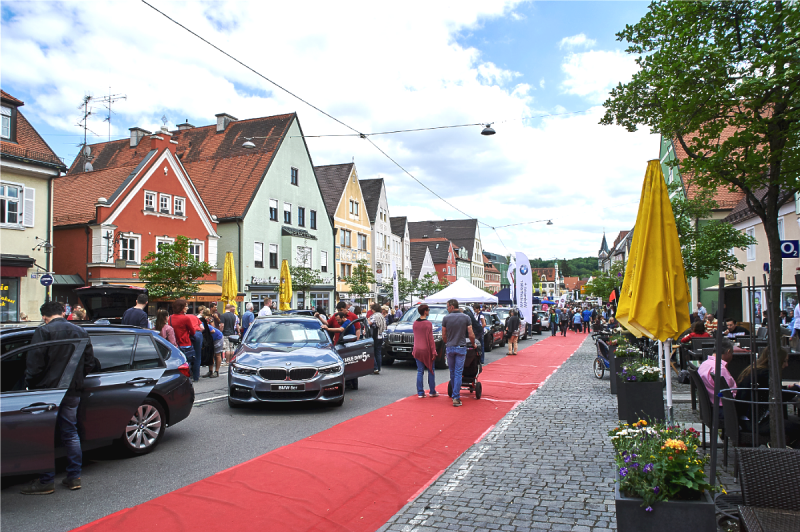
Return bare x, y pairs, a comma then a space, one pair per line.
228, 328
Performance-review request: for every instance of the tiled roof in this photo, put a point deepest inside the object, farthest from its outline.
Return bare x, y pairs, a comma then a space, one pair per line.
74, 195
10, 99
725, 198
620, 237
29, 145
438, 248
371, 190
225, 174
570, 283
332, 180
460, 232
417, 257
742, 211
549, 273
398, 224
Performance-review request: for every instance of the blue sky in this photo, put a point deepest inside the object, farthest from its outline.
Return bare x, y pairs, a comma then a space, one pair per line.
375, 67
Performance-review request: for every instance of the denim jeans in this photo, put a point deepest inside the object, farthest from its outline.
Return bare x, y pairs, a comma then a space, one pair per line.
197, 345
554, 328
431, 378
455, 359
378, 354
189, 353
483, 352
67, 429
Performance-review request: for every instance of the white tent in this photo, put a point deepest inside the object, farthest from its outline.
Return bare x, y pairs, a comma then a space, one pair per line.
463, 291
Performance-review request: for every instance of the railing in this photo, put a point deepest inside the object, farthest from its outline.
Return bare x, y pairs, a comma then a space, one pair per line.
33, 155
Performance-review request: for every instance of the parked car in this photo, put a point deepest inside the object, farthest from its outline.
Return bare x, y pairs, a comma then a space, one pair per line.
295, 312
524, 326
399, 340
290, 358
544, 319
140, 387
107, 301
494, 332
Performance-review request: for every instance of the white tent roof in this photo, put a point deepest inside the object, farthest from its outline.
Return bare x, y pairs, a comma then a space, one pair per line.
463, 291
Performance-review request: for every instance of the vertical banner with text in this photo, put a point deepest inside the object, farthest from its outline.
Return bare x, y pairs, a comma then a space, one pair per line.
395, 286
524, 287
510, 275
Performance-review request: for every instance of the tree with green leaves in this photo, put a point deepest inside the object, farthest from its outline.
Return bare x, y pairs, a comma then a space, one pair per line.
722, 80
428, 284
404, 286
604, 282
705, 243
361, 280
172, 272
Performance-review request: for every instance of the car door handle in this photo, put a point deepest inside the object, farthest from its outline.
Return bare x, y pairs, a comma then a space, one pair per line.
141, 381
37, 408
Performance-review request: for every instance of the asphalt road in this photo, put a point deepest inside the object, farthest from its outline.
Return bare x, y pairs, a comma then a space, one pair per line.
212, 439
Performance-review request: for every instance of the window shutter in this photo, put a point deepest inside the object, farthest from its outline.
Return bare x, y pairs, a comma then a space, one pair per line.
28, 206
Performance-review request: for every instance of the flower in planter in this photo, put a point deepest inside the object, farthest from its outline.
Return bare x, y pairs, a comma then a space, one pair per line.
623, 472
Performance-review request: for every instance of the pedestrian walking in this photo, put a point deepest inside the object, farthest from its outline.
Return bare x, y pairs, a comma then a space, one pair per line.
377, 325
247, 318
576, 321
456, 326
228, 329
213, 346
512, 331
553, 322
165, 329
424, 352
136, 315
586, 316
479, 332
184, 328
564, 323
44, 368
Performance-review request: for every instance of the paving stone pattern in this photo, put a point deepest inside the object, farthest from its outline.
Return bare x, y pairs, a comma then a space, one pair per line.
546, 466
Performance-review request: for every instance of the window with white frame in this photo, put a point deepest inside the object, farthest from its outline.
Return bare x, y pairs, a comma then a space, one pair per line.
149, 201
273, 210
304, 256
6, 126
780, 229
362, 242
258, 253
287, 213
323, 261
10, 197
273, 256
129, 248
165, 203
179, 206
751, 249
196, 250
161, 241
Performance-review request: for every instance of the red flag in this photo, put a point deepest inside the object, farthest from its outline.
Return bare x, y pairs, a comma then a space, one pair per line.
613, 296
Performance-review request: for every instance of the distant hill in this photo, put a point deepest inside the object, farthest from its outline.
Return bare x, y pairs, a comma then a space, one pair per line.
580, 267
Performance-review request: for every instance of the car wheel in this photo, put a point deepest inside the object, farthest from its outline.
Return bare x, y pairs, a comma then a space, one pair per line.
387, 361
487, 341
440, 362
145, 428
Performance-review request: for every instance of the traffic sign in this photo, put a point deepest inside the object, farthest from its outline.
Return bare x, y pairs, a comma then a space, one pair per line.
46, 279
790, 249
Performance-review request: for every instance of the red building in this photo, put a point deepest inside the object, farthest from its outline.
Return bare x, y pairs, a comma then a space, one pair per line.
491, 275
105, 222
444, 257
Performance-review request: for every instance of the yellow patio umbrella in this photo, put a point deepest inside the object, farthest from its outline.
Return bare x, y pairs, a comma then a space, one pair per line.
654, 300
285, 295
230, 287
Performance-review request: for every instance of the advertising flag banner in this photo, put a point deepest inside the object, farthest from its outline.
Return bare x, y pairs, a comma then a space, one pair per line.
395, 286
510, 275
524, 287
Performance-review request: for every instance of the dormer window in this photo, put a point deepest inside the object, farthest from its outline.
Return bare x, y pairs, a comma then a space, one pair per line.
5, 131
179, 206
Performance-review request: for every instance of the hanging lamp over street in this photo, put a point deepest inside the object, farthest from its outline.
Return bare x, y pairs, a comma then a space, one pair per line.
488, 130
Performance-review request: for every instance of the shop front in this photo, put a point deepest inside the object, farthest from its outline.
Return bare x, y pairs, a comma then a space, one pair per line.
18, 288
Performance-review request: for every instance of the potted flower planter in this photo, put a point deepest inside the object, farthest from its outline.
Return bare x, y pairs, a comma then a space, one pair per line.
612, 368
666, 516
640, 400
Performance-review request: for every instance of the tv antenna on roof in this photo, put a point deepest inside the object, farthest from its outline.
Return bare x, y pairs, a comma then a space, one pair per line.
107, 101
84, 123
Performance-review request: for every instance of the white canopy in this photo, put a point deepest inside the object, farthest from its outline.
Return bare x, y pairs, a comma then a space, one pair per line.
463, 291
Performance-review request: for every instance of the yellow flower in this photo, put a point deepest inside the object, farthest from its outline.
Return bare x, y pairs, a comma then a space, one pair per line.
675, 444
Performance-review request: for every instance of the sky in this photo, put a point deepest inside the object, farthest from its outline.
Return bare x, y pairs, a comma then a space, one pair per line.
537, 71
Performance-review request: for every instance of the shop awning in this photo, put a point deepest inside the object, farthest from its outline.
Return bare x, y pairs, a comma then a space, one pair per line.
15, 265
67, 280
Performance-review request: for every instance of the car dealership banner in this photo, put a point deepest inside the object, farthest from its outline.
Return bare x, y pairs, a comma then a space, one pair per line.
524, 287
395, 285
510, 276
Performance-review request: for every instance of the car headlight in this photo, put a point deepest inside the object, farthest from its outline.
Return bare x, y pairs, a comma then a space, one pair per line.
243, 370
333, 369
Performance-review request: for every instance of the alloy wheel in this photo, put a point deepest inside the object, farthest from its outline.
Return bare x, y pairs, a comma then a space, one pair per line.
144, 427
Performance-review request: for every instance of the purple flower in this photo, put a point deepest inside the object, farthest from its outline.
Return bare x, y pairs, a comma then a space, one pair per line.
627, 459
648, 509
635, 465
648, 468
656, 490
633, 456
623, 471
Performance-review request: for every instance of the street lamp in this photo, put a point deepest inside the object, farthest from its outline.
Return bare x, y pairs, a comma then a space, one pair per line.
47, 247
487, 131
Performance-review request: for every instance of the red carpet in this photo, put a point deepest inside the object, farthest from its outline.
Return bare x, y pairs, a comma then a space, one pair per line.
355, 475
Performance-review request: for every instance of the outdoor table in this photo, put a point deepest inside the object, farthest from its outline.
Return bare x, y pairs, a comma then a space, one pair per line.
757, 519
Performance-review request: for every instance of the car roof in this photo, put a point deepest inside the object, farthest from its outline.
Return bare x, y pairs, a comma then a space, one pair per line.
88, 326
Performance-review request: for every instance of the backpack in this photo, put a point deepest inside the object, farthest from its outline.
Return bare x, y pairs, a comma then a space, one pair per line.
477, 329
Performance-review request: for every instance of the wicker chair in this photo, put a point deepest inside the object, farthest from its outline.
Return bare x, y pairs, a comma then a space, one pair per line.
770, 490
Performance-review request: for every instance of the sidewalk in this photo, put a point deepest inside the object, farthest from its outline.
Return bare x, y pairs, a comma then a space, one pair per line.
546, 466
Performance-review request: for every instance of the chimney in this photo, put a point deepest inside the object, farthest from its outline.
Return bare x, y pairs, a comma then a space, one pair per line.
223, 119
137, 134
184, 127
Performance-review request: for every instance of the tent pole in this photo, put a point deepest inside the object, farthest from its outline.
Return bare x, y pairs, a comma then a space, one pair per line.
717, 370
667, 356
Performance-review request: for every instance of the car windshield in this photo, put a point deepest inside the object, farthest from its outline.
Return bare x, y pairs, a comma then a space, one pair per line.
502, 313
436, 315
286, 333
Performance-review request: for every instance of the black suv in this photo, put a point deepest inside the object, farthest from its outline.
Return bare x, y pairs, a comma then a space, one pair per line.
140, 386
399, 340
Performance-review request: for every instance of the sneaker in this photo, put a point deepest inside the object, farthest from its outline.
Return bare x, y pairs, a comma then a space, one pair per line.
37, 488
376, 372
456, 402
421, 395
207, 375
433, 394
72, 483
215, 375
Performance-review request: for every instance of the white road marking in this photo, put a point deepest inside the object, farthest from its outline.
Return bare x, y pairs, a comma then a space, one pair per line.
209, 399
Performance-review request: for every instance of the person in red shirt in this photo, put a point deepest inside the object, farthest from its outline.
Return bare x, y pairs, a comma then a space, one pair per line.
185, 328
698, 331
350, 315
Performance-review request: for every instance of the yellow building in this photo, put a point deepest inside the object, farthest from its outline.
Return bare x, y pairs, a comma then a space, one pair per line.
344, 202
27, 169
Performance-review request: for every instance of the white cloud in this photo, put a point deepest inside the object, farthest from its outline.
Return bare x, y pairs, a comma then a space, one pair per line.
576, 41
593, 74
404, 72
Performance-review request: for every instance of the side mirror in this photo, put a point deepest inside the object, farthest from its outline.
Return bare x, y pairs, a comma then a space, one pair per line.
350, 338
234, 338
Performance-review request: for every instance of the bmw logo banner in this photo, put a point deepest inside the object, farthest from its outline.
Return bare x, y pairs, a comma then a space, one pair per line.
524, 287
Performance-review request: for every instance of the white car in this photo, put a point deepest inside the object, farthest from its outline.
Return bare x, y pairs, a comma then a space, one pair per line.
524, 329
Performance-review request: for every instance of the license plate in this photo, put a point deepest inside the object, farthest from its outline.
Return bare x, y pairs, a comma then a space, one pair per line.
403, 349
288, 387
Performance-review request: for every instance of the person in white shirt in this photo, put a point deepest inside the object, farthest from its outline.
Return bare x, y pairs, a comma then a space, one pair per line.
266, 310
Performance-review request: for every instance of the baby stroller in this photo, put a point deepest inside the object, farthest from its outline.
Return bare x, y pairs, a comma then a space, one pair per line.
469, 378
601, 363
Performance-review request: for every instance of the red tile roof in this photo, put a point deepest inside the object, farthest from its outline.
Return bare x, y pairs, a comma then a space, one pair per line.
571, 283
225, 174
549, 273
74, 204
6, 96
29, 145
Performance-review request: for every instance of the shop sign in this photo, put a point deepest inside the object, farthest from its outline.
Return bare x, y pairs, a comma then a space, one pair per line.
264, 280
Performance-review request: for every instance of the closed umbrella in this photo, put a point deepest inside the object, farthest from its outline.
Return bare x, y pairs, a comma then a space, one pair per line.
285, 295
654, 300
230, 288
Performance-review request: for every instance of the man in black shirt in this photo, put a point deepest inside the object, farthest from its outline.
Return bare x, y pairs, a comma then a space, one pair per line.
734, 330
136, 316
44, 368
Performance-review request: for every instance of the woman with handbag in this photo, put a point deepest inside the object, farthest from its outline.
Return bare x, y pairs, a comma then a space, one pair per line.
377, 325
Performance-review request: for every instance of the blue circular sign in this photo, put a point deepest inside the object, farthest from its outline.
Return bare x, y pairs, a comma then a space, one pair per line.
46, 279
523, 270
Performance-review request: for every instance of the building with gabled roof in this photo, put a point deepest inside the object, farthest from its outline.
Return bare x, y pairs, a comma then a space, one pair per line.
421, 260
443, 255
257, 178
28, 168
462, 233
388, 247
399, 227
